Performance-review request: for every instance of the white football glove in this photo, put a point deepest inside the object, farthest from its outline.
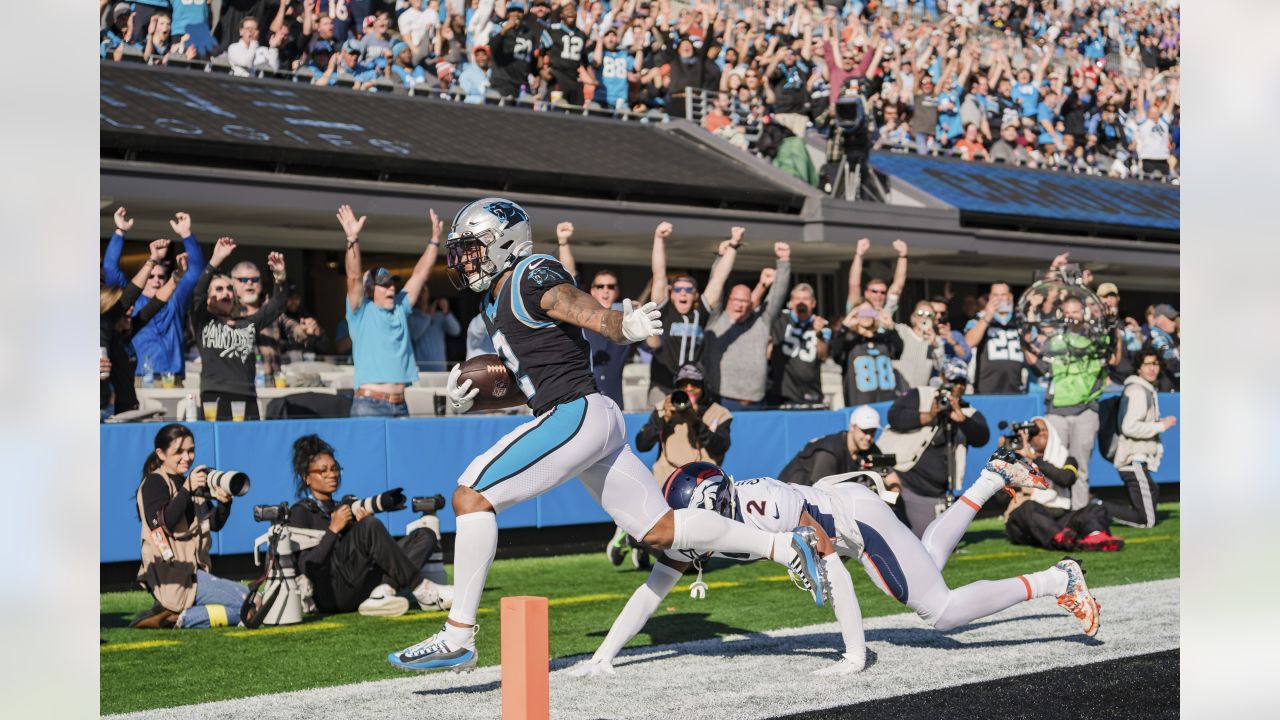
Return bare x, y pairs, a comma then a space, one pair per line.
641, 322
459, 397
592, 668
847, 665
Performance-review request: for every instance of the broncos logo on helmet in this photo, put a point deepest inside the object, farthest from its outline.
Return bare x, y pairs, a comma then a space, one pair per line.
701, 485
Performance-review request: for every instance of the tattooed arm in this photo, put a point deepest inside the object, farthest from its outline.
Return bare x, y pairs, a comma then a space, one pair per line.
567, 303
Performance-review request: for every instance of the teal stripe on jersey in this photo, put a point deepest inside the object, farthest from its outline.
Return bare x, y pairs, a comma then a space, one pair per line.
559, 427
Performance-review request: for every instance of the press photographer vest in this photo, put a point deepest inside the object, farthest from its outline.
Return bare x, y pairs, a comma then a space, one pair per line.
173, 582
909, 446
679, 449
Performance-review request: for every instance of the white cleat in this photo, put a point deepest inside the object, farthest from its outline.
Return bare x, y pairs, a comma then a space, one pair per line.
592, 668
847, 665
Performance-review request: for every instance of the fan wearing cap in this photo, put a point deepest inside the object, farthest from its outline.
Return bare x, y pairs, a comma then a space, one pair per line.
474, 78
403, 68
1164, 340
851, 450
378, 322
346, 64
687, 426
114, 34
513, 45
923, 425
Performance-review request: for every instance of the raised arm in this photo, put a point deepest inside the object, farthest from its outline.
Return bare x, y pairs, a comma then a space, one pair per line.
855, 274
658, 289
351, 227
781, 284
723, 266
139, 281
421, 271
564, 233
568, 304
899, 271
115, 247
181, 224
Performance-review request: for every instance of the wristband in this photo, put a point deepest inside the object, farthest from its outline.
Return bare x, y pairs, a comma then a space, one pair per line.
826, 334
434, 243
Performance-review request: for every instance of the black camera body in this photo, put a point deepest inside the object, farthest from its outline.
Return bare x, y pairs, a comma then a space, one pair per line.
427, 505
1013, 438
271, 513
882, 464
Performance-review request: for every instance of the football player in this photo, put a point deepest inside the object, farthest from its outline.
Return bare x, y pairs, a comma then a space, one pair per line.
850, 520
535, 316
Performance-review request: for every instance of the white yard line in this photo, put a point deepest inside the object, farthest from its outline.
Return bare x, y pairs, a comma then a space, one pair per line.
760, 675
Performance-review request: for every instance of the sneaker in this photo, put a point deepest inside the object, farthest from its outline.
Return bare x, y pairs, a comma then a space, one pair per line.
435, 653
640, 558
431, 596
806, 569
617, 547
384, 602
1077, 600
1016, 470
1101, 541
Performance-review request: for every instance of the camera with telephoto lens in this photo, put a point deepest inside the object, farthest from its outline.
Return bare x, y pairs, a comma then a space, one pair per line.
233, 482
882, 464
681, 402
388, 501
1013, 439
427, 505
271, 513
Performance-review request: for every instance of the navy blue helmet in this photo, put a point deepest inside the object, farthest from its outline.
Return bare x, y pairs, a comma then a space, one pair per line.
701, 485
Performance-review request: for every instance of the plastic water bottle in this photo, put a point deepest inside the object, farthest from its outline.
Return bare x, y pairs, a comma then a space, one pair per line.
259, 372
148, 373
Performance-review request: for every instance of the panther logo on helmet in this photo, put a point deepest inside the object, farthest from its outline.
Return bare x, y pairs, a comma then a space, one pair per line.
487, 238
509, 212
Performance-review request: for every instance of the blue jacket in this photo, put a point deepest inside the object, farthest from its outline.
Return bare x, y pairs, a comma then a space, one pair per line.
161, 339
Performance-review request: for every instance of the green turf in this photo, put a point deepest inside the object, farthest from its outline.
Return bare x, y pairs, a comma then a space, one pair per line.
202, 665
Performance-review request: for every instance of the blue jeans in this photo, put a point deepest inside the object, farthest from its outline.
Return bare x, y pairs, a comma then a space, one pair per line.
738, 405
216, 599
373, 407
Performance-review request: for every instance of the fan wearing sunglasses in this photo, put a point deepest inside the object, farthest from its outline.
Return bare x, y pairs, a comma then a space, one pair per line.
921, 349
881, 295
607, 357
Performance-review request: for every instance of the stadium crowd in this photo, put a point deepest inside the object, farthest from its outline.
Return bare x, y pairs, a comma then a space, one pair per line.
1085, 85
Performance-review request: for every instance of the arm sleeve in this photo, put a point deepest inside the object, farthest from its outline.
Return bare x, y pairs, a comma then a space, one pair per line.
648, 435
904, 413
715, 441
155, 496
312, 559
824, 464
894, 341
976, 431
147, 313
274, 307
111, 261
643, 602
199, 293
451, 326
845, 604
779, 291
533, 280
182, 294
221, 511
1061, 476
1131, 424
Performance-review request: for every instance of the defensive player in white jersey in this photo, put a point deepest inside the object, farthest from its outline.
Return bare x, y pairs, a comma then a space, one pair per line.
852, 521
535, 316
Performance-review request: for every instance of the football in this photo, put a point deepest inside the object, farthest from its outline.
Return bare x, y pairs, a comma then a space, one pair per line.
494, 380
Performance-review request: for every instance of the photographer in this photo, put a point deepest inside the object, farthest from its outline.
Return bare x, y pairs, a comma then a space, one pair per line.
178, 513
358, 565
1138, 446
843, 452
685, 427
923, 424
1044, 518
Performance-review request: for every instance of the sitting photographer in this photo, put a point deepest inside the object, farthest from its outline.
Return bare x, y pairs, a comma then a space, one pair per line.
844, 452
923, 424
178, 512
1044, 518
1138, 446
358, 565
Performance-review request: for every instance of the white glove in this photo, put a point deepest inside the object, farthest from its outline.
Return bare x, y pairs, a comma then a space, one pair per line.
642, 322
458, 395
847, 665
592, 668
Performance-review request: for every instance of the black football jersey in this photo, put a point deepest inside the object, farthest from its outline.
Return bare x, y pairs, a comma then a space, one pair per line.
550, 361
997, 360
565, 45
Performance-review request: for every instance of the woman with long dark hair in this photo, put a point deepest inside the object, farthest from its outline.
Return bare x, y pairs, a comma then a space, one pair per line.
178, 513
358, 565
117, 324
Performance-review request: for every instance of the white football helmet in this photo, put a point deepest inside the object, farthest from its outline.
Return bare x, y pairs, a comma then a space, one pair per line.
490, 235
